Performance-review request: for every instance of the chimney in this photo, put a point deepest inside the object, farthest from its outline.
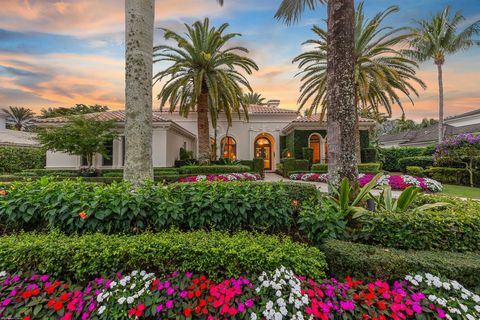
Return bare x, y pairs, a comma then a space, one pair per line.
273, 103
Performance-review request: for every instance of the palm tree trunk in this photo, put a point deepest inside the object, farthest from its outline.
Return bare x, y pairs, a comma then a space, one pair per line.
440, 102
203, 129
139, 17
341, 116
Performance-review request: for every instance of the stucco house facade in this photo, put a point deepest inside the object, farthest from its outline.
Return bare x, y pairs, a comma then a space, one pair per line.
266, 132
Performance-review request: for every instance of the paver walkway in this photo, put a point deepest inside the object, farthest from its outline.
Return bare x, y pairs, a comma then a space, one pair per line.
323, 187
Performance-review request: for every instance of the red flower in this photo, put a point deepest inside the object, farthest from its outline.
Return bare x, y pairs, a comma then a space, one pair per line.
187, 312
64, 296
83, 215
51, 302
58, 305
132, 312
382, 305
50, 289
26, 318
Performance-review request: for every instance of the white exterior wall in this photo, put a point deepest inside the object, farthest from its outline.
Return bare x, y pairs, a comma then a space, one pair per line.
59, 160
3, 122
464, 121
175, 141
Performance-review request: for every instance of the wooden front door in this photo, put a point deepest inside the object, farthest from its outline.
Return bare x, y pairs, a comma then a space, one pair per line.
263, 149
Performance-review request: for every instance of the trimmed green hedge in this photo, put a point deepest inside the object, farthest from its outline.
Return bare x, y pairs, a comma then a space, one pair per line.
291, 165
369, 155
215, 254
390, 156
320, 168
362, 167
459, 176
454, 228
215, 169
370, 263
422, 161
15, 159
415, 171
118, 207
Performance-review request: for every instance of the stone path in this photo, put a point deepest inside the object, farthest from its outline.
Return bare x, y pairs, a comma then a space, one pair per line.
323, 187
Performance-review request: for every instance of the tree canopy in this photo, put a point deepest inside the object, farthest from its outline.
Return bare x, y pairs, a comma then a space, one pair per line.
78, 109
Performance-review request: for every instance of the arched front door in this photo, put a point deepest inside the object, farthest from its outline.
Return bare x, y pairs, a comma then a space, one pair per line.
263, 149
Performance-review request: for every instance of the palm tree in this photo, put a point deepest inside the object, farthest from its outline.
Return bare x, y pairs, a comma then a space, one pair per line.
381, 71
253, 98
342, 115
438, 37
21, 116
203, 76
139, 17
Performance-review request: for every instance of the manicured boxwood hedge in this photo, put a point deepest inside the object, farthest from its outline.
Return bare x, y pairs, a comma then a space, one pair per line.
391, 156
215, 254
415, 171
421, 161
454, 228
294, 165
14, 159
459, 176
371, 263
118, 207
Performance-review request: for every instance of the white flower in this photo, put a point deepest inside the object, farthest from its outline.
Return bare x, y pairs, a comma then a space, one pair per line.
446, 286
130, 300
3, 274
283, 311
278, 293
278, 316
99, 298
133, 286
253, 316
121, 300
432, 297
113, 284
470, 317
463, 307
134, 273
123, 282
101, 309
419, 278
269, 305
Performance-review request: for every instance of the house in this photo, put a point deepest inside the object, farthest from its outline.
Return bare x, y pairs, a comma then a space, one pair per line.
14, 137
268, 131
468, 122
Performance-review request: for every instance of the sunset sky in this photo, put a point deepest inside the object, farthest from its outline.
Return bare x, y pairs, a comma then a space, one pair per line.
57, 53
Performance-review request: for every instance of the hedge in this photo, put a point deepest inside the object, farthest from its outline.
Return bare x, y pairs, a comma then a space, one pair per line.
415, 171
14, 159
216, 254
290, 165
369, 155
256, 165
362, 167
320, 168
215, 169
390, 156
459, 176
371, 263
119, 207
421, 161
454, 228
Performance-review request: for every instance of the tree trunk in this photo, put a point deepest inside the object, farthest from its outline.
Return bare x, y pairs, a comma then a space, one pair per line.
139, 17
341, 116
440, 103
203, 129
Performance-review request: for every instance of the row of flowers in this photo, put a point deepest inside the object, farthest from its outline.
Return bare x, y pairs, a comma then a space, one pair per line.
276, 295
223, 177
397, 182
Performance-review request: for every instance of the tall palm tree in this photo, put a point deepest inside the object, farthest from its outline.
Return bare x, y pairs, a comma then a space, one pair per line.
437, 37
382, 72
342, 115
203, 76
139, 20
21, 116
253, 98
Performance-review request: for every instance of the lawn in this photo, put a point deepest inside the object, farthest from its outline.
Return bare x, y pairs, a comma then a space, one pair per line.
461, 191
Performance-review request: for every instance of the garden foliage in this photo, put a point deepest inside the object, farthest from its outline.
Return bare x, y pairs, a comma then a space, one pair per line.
14, 159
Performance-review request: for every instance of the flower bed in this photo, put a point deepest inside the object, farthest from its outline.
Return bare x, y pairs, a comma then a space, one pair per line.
395, 182
277, 295
223, 177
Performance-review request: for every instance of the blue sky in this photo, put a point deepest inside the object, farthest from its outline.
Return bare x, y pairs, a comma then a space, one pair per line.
57, 53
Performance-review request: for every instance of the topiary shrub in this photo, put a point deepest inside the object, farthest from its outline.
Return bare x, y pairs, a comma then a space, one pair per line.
369, 167
307, 154
346, 259
416, 171
215, 254
420, 161
15, 159
320, 168
293, 165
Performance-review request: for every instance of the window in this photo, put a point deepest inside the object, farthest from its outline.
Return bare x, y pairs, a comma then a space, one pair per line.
109, 151
314, 143
229, 148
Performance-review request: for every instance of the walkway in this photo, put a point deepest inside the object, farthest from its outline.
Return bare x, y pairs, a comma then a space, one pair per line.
323, 187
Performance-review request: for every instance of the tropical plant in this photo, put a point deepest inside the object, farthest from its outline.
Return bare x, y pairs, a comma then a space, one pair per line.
386, 201
253, 98
79, 136
78, 109
435, 39
382, 72
203, 75
139, 22
21, 116
342, 118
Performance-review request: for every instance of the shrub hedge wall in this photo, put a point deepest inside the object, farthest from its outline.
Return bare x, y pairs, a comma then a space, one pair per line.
415, 171
215, 254
369, 155
420, 161
448, 175
73, 206
391, 156
291, 165
14, 159
371, 263
362, 167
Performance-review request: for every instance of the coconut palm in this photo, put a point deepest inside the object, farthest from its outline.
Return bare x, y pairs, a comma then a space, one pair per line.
382, 72
203, 76
253, 98
342, 115
139, 17
21, 116
438, 37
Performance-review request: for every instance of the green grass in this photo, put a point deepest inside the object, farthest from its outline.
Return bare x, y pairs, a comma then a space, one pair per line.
461, 191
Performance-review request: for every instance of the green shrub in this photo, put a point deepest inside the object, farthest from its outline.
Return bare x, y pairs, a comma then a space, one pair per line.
256, 165
420, 161
453, 228
49, 172
415, 171
113, 174
297, 191
307, 154
370, 263
390, 156
216, 254
216, 169
369, 167
119, 207
320, 168
369, 155
459, 176
290, 165
15, 159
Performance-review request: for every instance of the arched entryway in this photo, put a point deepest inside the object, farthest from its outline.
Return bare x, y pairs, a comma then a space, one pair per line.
264, 148
229, 148
319, 146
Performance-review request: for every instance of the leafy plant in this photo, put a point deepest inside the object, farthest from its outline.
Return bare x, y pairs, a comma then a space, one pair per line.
15, 159
386, 201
